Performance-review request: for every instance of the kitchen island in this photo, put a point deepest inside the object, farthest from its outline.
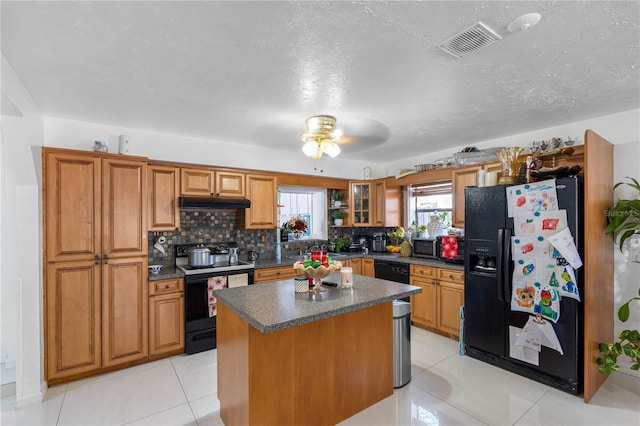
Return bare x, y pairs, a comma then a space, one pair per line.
287, 358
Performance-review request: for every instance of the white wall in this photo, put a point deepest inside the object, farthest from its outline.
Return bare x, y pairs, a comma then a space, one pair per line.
162, 146
20, 231
627, 163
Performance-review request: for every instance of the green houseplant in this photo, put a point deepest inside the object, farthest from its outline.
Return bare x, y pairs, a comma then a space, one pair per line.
624, 226
338, 217
337, 199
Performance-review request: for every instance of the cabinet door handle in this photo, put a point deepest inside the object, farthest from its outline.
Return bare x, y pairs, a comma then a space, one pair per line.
97, 263
451, 276
97, 256
166, 286
105, 256
181, 294
106, 262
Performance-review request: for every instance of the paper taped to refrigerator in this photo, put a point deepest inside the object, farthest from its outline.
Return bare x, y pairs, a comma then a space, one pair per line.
564, 243
530, 197
536, 224
523, 296
536, 334
547, 302
562, 278
522, 353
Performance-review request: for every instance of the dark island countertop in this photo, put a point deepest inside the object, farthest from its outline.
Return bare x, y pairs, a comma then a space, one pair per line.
276, 306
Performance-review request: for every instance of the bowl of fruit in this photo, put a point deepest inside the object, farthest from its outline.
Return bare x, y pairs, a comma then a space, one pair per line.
318, 267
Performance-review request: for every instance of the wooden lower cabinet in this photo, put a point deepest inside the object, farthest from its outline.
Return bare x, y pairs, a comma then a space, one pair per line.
166, 316
367, 267
355, 264
73, 320
124, 311
266, 275
438, 306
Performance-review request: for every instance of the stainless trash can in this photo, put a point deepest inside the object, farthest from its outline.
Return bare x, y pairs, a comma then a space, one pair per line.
401, 343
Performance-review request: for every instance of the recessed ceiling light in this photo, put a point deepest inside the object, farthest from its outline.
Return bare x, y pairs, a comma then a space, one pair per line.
524, 22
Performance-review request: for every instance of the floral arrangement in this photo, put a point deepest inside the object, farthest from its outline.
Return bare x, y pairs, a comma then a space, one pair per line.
297, 224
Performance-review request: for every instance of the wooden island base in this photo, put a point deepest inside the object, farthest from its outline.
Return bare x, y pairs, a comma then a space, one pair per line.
317, 373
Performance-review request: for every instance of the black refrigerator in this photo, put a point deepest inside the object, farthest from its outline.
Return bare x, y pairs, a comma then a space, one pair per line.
489, 322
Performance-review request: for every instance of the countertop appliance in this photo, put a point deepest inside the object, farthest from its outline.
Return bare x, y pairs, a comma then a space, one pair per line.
379, 242
490, 326
200, 325
425, 247
392, 271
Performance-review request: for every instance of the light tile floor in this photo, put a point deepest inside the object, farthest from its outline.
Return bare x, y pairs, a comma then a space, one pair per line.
446, 389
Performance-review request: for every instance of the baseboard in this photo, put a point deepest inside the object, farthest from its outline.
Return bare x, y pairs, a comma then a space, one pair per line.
34, 398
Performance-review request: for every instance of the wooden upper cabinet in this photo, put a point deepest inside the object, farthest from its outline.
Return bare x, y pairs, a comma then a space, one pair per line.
262, 191
230, 184
362, 207
387, 204
125, 304
164, 190
463, 177
124, 207
211, 182
73, 217
197, 181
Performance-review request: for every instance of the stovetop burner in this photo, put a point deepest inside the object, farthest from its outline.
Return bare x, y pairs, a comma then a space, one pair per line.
220, 254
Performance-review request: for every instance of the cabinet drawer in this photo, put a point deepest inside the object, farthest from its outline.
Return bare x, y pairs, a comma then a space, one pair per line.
419, 271
274, 274
451, 275
173, 285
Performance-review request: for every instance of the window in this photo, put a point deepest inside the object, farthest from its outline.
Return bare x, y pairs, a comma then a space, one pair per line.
428, 199
307, 203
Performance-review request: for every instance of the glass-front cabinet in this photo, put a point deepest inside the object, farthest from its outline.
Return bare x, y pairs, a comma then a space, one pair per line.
361, 196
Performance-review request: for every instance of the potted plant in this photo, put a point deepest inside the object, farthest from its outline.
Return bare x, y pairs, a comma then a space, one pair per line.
340, 244
338, 217
624, 226
337, 199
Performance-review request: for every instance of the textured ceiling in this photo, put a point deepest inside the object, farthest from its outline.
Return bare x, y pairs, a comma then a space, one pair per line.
251, 72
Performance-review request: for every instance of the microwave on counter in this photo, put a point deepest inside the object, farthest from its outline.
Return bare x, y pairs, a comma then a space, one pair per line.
431, 248
425, 247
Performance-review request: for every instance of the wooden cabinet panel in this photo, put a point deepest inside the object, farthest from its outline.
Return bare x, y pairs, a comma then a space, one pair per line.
124, 208
438, 306
423, 272
451, 275
72, 318
166, 316
355, 264
423, 305
450, 298
164, 190
262, 191
387, 204
467, 176
73, 219
274, 274
361, 212
368, 267
124, 311
173, 285
197, 181
230, 184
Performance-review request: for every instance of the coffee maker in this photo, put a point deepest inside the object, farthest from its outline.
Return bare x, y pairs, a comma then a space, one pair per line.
379, 242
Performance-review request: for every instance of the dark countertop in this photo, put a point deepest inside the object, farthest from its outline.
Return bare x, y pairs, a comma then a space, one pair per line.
167, 272
170, 271
288, 261
285, 308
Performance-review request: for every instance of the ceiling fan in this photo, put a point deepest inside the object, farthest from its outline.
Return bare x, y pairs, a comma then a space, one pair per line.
321, 137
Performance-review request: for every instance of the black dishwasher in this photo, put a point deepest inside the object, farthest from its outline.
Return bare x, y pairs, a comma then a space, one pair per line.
392, 271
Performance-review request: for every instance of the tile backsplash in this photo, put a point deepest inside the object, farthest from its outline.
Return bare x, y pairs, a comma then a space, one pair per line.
216, 226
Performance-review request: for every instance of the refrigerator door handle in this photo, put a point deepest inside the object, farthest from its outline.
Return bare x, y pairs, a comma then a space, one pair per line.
500, 265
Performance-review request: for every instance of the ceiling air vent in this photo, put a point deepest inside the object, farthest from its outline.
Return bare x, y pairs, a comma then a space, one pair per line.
470, 40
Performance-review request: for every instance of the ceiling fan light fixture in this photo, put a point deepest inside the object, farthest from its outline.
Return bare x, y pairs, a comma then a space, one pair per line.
320, 136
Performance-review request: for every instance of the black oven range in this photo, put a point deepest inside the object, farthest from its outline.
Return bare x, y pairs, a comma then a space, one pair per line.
200, 307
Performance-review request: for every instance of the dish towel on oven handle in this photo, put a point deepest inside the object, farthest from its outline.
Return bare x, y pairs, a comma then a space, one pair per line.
214, 283
449, 247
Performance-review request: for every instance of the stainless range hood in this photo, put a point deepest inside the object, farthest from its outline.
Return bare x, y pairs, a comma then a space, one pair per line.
202, 203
